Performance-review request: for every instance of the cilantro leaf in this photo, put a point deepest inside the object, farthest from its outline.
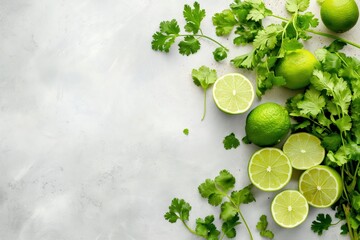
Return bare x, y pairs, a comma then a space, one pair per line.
307, 20
258, 12
231, 141
312, 104
163, 39
247, 61
206, 228
268, 38
204, 77
179, 209
294, 6
332, 142
189, 45
224, 22
262, 227
247, 32
228, 227
215, 190
243, 196
220, 53
193, 17
228, 211
322, 223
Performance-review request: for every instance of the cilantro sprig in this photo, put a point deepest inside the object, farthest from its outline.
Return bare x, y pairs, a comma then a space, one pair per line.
204, 77
169, 31
219, 192
262, 227
231, 141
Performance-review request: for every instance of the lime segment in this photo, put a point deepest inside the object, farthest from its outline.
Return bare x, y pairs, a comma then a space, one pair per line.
304, 150
289, 208
269, 169
321, 185
233, 93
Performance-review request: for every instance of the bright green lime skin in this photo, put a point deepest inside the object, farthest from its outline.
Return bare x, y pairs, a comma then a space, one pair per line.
267, 124
297, 67
339, 15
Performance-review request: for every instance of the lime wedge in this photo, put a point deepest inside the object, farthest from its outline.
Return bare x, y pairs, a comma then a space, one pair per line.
321, 185
289, 208
269, 169
304, 150
233, 93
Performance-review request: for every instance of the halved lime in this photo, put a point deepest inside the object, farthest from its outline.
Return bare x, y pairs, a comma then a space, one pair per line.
269, 169
233, 93
321, 185
304, 150
289, 208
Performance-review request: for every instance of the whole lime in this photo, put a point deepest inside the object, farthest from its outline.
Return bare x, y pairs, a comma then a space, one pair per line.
297, 67
339, 15
267, 124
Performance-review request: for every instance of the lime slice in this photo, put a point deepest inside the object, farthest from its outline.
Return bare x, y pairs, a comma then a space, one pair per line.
269, 169
233, 93
321, 185
289, 208
304, 150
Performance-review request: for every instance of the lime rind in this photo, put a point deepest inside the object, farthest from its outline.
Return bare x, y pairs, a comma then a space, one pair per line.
269, 169
304, 150
233, 93
321, 185
289, 208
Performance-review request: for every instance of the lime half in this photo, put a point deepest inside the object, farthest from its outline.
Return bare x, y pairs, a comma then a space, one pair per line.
304, 150
289, 208
269, 169
321, 185
233, 93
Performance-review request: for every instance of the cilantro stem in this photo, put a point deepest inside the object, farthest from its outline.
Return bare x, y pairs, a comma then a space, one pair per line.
204, 113
188, 228
347, 216
334, 37
204, 36
242, 216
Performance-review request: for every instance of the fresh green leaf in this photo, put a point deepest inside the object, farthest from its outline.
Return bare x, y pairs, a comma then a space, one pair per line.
193, 17
312, 104
189, 45
220, 53
258, 11
243, 196
228, 211
268, 38
231, 141
332, 142
163, 39
322, 223
228, 227
179, 209
204, 77
262, 227
206, 228
225, 181
224, 22
294, 6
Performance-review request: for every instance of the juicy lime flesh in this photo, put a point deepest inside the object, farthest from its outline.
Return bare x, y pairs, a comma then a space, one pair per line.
267, 124
304, 150
233, 93
297, 68
269, 169
289, 208
339, 15
321, 185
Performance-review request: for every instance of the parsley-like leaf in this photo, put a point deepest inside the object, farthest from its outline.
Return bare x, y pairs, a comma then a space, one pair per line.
228, 227
294, 6
268, 38
231, 141
322, 223
189, 45
163, 39
224, 22
262, 227
204, 77
179, 209
193, 17
243, 196
313, 103
206, 228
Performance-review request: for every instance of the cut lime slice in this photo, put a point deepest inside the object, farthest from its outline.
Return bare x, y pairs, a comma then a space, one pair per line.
304, 150
289, 208
233, 93
269, 169
321, 185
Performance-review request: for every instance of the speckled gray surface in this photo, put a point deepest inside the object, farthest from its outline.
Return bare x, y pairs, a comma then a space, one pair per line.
91, 144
